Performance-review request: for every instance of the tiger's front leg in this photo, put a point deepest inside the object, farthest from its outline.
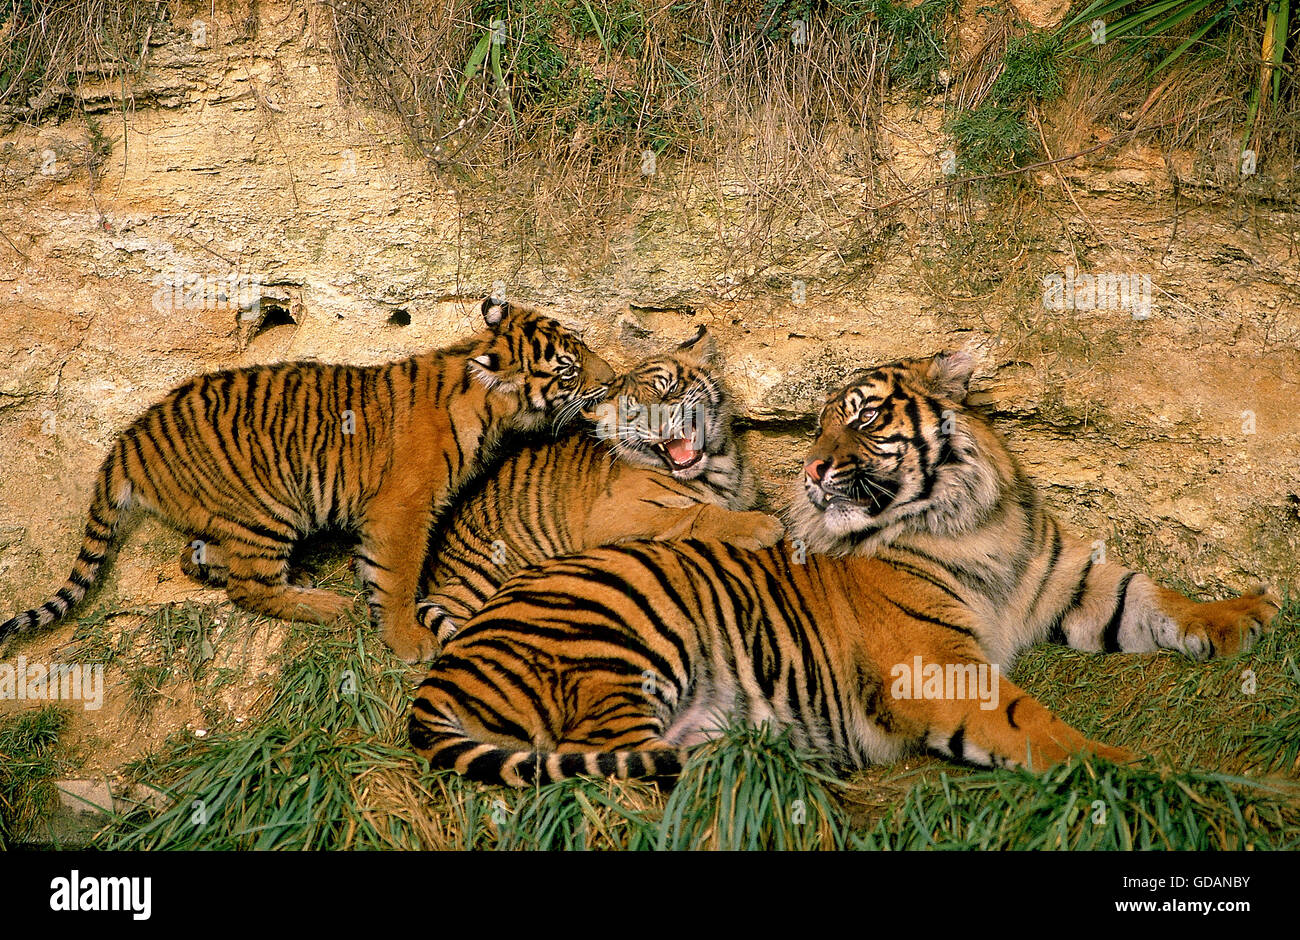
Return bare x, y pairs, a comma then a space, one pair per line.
1012, 729
394, 537
1113, 610
665, 520
750, 530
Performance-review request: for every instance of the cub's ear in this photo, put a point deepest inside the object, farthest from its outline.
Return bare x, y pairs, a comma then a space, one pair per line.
488, 369
701, 347
950, 372
494, 311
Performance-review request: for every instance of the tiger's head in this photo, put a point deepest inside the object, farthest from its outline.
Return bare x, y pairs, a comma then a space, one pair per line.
898, 450
533, 362
671, 412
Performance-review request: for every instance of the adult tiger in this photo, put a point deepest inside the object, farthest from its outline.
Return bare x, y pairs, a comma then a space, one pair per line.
663, 465
249, 461
615, 660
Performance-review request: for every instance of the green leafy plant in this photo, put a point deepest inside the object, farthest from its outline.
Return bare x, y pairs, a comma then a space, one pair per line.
996, 134
910, 36
1155, 21
1275, 745
580, 813
1149, 24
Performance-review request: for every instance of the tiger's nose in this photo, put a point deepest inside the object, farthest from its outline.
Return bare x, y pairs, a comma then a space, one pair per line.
816, 469
599, 371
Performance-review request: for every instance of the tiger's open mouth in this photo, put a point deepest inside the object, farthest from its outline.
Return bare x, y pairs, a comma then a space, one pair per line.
878, 497
679, 453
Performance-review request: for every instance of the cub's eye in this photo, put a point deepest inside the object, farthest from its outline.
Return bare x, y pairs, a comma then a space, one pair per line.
865, 419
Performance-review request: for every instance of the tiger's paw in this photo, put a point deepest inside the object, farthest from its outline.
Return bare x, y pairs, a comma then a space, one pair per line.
759, 530
413, 644
326, 606
1113, 753
1223, 628
204, 562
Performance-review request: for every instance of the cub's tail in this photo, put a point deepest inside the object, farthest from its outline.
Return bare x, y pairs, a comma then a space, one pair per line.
445, 744
112, 499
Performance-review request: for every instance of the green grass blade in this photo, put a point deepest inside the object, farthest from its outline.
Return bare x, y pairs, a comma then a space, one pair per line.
1183, 47
495, 59
473, 64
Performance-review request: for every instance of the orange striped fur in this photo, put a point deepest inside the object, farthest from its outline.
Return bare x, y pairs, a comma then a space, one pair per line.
247, 462
636, 476
917, 542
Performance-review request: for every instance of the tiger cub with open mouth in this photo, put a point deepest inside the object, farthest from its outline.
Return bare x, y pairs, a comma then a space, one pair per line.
662, 464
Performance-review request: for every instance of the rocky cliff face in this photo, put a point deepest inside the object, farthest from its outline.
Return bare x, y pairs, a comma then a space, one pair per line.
243, 214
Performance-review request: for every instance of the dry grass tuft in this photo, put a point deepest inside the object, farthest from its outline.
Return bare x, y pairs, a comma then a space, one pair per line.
582, 121
48, 47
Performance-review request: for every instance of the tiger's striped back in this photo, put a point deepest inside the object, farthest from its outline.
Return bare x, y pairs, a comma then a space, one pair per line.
618, 660
181, 459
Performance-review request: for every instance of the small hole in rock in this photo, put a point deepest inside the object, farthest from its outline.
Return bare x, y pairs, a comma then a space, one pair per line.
276, 315
400, 317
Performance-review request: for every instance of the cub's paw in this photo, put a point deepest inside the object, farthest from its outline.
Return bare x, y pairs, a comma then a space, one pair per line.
1114, 753
758, 530
1222, 628
326, 606
412, 644
203, 562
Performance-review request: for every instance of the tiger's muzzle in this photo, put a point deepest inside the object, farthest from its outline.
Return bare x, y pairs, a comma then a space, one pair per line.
827, 483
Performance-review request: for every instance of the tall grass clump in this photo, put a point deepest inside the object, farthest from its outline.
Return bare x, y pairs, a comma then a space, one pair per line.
1092, 805
30, 759
290, 780
751, 789
586, 115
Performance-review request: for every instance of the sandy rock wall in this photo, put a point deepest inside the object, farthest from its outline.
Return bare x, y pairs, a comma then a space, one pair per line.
1172, 434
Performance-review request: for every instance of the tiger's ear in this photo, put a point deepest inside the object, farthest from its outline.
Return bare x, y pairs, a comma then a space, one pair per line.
494, 311
701, 348
950, 372
488, 369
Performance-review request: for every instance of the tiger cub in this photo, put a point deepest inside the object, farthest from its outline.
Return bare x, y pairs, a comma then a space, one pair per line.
934, 564
663, 465
249, 461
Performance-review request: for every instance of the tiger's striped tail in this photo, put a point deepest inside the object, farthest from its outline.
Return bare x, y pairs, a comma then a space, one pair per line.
101, 523
446, 744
